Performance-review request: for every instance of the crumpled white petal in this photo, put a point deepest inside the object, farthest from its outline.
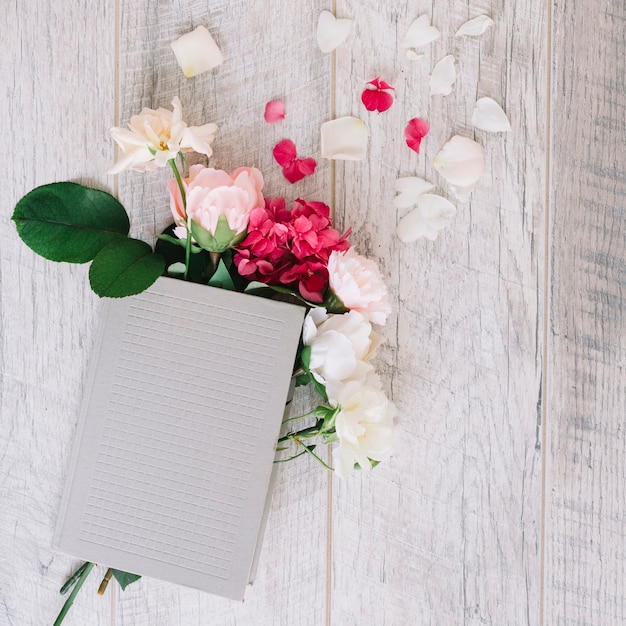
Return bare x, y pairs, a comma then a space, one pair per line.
196, 52
331, 32
461, 162
443, 77
488, 115
433, 213
475, 27
409, 188
420, 33
344, 138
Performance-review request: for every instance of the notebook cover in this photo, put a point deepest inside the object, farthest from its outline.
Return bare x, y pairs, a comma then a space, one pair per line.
179, 422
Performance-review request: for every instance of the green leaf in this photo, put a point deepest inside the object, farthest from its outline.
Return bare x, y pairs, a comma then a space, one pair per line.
222, 278
125, 268
173, 249
124, 578
69, 222
303, 379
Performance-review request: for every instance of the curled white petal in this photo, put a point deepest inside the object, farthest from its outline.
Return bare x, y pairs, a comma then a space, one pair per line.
409, 189
420, 33
475, 27
196, 52
344, 138
488, 115
331, 32
443, 77
411, 55
461, 162
432, 214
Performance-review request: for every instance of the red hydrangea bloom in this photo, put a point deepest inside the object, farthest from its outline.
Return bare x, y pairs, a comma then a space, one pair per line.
290, 248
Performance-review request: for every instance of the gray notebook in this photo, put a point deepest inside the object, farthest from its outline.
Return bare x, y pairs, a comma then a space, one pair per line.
180, 417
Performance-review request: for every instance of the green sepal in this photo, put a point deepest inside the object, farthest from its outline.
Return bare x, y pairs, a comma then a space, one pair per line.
221, 278
303, 379
223, 238
125, 268
124, 578
69, 222
333, 303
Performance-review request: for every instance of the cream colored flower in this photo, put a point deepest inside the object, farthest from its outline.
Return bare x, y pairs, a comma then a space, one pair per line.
364, 426
155, 136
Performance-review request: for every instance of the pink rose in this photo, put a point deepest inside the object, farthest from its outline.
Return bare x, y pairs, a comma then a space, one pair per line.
218, 204
359, 285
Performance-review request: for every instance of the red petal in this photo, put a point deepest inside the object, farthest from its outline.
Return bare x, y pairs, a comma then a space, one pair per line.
414, 132
375, 100
298, 169
380, 84
306, 166
284, 152
274, 111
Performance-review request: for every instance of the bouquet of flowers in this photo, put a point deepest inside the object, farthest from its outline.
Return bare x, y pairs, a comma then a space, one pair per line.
226, 233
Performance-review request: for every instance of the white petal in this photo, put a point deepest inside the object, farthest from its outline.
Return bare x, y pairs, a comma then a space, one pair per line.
488, 115
331, 32
443, 77
409, 189
420, 33
344, 138
475, 27
411, 55
433, 213
196, 52
461, 162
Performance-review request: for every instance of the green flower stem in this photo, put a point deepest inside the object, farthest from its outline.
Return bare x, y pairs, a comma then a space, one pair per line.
299, 417
181, 187
75, 576
68, 603
291, 458
305, 433
309, 451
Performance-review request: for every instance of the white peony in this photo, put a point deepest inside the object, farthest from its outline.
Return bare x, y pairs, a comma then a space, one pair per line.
364, 426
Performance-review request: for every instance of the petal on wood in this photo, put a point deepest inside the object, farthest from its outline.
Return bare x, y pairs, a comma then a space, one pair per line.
331, 32
284, 152
488, 115
196, 52
461, 162
475, 27
415, 131
432, 214
344, 138
409, 189
274, 111
411, 55
443, 77
420, 33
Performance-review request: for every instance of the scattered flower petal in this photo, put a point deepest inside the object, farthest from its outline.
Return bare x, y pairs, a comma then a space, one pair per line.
344, 138
331, 32
375, 96
196, 52
488, 115
414, 132
409, 189
443, 77
274, 111
475, 27
461, 162
294, 169
433, 213
420, 33
411, 55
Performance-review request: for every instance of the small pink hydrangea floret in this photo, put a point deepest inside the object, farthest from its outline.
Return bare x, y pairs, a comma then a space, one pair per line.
375, 96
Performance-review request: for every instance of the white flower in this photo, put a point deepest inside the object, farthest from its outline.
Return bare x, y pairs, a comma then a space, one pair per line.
341, 347
488, 115
364, 427
475, 27
461, 162
196, 52
443, 77
155, 137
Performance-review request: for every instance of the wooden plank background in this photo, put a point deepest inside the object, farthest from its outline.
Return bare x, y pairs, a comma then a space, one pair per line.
506, 357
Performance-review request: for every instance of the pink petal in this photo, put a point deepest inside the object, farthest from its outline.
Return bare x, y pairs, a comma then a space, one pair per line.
298, 169
375, 100
414, 132
274, 111
284, 152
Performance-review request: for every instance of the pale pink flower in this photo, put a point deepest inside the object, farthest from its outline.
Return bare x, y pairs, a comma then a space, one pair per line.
155, 136
358, 284
215, 197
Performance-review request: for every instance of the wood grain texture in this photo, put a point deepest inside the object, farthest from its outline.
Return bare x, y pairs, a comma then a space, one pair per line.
267, 55
58, 105
586, 512
449, 531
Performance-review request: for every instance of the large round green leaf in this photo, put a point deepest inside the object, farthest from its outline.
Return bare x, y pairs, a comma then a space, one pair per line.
69, 222
124, 268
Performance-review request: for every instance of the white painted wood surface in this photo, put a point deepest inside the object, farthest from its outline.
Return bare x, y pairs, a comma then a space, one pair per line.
504, 503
